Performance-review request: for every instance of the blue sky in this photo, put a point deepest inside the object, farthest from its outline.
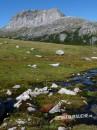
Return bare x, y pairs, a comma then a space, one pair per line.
81, 8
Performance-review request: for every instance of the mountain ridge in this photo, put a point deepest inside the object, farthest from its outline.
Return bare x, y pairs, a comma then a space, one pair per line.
51, 26
34, 18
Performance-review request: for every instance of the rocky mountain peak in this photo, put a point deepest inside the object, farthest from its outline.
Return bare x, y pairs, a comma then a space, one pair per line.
50, 25
34, 18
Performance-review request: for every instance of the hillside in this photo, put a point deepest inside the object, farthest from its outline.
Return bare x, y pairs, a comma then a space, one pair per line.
50, 26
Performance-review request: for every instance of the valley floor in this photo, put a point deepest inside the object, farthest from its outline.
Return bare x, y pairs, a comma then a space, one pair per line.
16, 58
36, 64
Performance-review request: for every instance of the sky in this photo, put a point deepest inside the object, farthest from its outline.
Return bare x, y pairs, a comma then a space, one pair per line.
81, 8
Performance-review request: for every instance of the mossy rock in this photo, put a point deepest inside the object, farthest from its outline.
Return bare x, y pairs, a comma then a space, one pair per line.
76, 101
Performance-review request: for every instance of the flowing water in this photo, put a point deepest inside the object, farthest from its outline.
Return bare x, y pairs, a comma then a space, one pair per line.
85, 78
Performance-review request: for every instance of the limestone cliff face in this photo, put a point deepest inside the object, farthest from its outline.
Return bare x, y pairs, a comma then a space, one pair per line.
51, 26
34, 18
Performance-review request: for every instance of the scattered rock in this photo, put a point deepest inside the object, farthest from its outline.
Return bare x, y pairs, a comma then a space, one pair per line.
29, 119
34, 66
57, 108
4, 124
77, 90
25, 96
50, 94
9, 93
39, 56
54, 85
94, 58
13, 128
16, 86
55, 65
66, 91
87, 58
20, 122
31, 109
32, 49
38, 91
18, 104
60, 52
62, 128
78, 74
23, 128
29, 65
84, 101
29, 104
17, 46
94, 52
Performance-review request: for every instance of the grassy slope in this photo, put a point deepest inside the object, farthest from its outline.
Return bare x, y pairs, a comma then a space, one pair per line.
13, 61
85, 127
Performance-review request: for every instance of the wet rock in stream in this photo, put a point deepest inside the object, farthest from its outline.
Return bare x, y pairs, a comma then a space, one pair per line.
6, 108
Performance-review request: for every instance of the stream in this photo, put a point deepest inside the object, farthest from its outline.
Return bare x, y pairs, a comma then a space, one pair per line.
85, 78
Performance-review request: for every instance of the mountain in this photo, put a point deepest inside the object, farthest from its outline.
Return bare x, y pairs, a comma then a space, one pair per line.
34, 18
52, 26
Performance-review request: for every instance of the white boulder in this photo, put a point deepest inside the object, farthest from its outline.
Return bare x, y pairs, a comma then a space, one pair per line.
32, 49
60, 52
62, 128
57, 108
87, 58
17, 46
23, 128
25, 96
66, 91
13, 128
54, 85
20, 122
9, 92
16, 86
94, 58
34, 66
55, 65
31, 109
39, 56
77, 90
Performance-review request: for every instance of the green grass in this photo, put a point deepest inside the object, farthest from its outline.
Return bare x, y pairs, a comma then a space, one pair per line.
85, 127
76, 101
13, 61
14, 70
